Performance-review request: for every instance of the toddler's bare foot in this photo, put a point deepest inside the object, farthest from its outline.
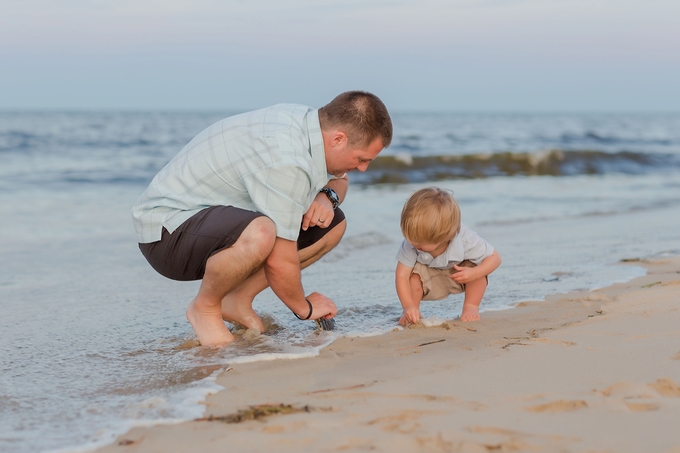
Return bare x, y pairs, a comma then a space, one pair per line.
470, 314
208, 325
241, 313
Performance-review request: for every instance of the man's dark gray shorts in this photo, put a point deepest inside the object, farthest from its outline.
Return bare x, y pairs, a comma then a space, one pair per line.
183, 254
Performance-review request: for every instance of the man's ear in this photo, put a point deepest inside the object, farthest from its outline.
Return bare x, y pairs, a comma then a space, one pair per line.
339, 137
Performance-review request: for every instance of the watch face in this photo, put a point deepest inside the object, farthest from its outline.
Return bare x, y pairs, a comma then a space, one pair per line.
332, 196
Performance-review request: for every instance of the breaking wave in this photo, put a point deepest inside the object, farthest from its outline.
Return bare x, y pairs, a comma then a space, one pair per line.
404, 168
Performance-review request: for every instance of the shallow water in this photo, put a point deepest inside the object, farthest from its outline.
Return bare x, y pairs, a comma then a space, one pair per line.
94, 340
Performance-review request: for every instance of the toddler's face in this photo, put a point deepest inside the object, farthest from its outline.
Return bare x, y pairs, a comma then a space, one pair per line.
429, 248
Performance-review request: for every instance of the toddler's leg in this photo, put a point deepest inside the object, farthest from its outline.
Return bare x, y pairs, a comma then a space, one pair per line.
416, 288
474, 291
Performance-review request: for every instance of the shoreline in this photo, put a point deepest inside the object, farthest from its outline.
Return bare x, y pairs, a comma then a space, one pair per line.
581, 371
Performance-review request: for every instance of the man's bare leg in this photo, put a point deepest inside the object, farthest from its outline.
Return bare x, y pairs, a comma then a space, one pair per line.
237, 306
225, 271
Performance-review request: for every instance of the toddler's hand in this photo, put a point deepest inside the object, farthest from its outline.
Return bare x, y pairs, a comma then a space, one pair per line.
463, 274
411, 316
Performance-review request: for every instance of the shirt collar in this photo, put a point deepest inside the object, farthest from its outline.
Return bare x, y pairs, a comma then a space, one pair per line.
316, 144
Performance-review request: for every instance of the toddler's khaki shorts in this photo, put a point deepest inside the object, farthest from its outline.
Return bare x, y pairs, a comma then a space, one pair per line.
437, 283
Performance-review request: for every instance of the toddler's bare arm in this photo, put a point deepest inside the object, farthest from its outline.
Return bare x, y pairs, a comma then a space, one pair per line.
411, 307
468, 274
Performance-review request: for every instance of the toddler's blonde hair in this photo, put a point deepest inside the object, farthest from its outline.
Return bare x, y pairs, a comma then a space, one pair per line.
430, 216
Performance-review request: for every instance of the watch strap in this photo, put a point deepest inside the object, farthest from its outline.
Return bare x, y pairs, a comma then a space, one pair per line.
332, 196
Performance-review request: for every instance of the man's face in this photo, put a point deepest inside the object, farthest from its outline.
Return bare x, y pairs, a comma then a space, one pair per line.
342, 159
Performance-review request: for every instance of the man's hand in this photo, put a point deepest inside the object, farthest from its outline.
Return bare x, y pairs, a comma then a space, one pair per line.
320, 213
322, 306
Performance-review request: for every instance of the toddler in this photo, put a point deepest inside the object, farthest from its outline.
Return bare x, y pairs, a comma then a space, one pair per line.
440, 256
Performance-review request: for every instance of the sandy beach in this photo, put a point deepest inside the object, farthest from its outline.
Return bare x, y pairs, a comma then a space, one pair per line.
594, 371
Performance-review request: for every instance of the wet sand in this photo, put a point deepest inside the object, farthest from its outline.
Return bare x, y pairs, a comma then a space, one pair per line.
594, 371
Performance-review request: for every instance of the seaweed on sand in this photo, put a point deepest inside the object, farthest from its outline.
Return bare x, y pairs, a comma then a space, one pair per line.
257, 412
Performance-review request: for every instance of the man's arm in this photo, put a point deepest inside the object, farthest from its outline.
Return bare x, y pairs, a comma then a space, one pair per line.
282, 269
322, 208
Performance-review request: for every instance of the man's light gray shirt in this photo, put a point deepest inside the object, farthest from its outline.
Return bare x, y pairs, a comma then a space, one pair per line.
467, 245
270, 161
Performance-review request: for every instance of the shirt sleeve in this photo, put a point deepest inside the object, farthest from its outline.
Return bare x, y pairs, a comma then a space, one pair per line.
407, 254
476, 248
280, 193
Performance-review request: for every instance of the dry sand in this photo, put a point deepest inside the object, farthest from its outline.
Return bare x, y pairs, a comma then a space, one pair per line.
592, 371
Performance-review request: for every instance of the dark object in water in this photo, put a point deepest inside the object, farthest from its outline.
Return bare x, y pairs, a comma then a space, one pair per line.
325, 324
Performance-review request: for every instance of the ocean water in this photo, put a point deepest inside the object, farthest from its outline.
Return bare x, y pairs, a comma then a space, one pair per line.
94, 341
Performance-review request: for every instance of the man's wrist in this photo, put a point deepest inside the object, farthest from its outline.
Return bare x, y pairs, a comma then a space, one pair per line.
310, 311
332, 196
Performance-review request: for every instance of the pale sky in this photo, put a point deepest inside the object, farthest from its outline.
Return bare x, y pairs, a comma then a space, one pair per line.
456, 55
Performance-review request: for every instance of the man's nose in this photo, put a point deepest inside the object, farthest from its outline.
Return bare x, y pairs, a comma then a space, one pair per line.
363, 166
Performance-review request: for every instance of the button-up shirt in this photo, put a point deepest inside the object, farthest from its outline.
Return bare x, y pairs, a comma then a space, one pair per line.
466, 245
271, 161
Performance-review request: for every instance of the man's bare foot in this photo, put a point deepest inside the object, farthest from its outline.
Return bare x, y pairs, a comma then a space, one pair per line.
241, 313
470, 314
208, 325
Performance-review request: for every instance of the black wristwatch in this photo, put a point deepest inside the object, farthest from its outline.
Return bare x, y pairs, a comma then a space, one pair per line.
332, 196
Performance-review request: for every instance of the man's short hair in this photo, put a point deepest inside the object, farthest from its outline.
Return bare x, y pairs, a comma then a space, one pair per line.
430, 216
360, 115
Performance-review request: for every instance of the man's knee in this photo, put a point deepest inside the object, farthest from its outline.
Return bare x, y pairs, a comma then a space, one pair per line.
317, 235
331, 238
258, 237
337, 233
